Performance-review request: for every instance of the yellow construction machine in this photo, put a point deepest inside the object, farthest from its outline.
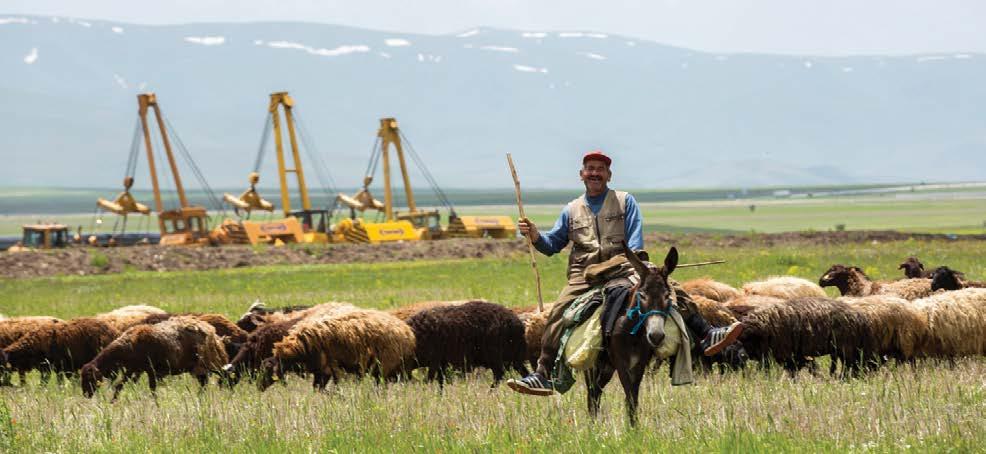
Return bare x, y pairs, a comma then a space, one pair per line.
185, 224
415, 224
42, 236
306, 225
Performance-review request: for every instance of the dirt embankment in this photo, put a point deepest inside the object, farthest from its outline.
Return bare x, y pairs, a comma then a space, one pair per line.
84, 261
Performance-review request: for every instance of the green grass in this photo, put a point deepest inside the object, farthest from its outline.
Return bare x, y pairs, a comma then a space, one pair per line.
932, 408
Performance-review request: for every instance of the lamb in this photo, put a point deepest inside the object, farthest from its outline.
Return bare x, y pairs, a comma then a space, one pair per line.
785, 287
128, 316
946, 278
793, 331
913, 268
474, 334
62, 347
259, 345
708, 288
12, 329
956, 323
359, 341
175, 346
852, 281
534, 325
896, 328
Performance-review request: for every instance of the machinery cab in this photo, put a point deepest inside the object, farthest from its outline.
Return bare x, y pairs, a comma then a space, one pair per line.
187, 225
45, 236
426, 222
315, 225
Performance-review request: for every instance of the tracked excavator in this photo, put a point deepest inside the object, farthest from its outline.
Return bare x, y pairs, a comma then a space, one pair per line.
186, 224
414, 224
307, 225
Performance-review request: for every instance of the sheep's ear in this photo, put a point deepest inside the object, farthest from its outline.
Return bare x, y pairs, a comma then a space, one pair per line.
902, 266
670, 261
638, 265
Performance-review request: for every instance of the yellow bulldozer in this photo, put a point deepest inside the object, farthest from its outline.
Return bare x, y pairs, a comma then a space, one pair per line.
414, 224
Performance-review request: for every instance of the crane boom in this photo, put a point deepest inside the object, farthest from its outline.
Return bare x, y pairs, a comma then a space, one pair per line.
282, 99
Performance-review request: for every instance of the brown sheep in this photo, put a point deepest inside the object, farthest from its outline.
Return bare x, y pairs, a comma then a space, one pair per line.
896, 327
260, 343
355, 342
708, 288
175, 346
852, 281
712, 311
62, 347
127, 316
534, 325
11, 329
913, 269
785, 287
258, 314
742, 305
956, 323
230, 334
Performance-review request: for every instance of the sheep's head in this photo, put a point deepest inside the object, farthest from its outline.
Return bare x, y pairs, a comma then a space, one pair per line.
90, 376
653, 291
913, 268
269, 369
946, 278
250, 321
838, 276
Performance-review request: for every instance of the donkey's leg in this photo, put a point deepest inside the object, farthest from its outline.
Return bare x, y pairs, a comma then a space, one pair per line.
595, 380
630, 378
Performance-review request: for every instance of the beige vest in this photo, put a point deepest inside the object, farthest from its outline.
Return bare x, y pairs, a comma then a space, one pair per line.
595, 238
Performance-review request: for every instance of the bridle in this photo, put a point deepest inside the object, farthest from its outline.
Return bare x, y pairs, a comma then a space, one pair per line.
635, 310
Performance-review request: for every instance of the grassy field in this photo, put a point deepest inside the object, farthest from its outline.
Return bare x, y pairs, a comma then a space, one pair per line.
931, 408
959, 216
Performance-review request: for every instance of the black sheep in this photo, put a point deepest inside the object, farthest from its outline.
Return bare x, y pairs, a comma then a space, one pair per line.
793, 331
946, 278
259, 345
474, 334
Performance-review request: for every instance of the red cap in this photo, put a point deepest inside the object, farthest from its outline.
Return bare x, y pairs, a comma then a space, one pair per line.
596, 155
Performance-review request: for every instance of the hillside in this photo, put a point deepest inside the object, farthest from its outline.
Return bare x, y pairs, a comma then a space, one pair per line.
672, 117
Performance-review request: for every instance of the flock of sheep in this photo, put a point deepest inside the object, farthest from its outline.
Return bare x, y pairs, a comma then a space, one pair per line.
787, 320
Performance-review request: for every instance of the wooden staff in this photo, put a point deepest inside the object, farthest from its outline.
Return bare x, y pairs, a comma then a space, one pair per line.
530, 246
688, 265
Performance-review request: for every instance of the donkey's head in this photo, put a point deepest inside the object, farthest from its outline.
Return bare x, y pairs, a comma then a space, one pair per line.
653, 293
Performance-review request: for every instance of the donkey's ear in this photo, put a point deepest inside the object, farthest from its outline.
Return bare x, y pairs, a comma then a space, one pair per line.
638, 265
670, 261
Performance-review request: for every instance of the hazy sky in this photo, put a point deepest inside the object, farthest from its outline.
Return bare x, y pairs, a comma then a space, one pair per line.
778, 26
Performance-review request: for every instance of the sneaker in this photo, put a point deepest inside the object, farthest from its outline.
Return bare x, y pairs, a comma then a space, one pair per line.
720, 338
534, 384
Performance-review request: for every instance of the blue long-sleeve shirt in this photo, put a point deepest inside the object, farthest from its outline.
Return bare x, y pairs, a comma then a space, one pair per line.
557, 238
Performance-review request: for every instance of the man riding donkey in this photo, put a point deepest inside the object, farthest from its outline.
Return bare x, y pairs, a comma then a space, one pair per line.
598, 224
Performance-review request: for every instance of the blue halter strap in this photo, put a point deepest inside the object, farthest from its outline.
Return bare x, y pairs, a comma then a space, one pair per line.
635, 311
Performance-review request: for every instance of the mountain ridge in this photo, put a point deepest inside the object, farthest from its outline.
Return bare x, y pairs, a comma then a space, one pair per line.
668, 115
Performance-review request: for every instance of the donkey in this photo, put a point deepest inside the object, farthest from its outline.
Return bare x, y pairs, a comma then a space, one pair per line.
628, 351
